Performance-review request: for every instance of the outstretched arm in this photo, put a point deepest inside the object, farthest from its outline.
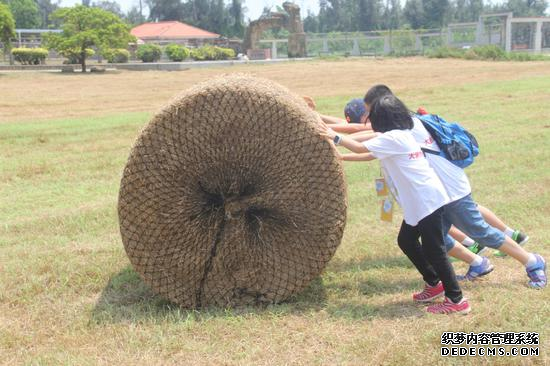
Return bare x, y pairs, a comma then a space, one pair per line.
330, 120
351, 127
357, 157
363, 136
344, 141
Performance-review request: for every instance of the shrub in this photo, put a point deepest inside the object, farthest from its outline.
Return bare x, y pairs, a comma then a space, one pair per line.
227, 53
177, 53
117, 55
149, 52
30, 56
489, 52
209, 53
470, 55
445, 52
524, 56
73, 55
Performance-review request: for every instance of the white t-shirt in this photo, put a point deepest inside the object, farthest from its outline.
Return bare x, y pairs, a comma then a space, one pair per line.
413, 182
453, 177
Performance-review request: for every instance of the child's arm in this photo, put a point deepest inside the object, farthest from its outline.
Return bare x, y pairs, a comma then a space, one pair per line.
363, 136
357, 157
350, 127
344, 141
352, 145
330, 120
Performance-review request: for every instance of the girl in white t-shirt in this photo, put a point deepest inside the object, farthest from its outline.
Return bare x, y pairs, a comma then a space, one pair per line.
419, 192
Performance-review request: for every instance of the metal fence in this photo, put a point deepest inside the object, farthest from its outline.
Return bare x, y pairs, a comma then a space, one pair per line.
512, 34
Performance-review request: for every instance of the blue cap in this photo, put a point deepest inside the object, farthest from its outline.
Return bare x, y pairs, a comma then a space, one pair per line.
354, 110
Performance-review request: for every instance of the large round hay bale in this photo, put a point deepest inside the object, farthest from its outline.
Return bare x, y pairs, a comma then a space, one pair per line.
231, 196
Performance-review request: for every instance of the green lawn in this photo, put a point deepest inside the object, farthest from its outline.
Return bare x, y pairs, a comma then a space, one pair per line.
69, 296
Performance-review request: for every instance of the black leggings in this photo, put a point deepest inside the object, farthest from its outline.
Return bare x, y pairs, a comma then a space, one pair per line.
430, 257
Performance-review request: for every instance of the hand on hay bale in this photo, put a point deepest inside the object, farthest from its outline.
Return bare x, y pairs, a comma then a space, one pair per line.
231, 196
310, 102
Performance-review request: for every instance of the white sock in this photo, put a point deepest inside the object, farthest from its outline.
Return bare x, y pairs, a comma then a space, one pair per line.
532, 260
468, 242
509, 231
477, 261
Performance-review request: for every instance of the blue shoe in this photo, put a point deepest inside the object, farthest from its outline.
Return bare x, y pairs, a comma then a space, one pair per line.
477, 271
537, 273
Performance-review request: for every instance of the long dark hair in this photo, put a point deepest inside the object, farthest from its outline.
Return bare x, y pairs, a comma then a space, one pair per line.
376, 92
389, 113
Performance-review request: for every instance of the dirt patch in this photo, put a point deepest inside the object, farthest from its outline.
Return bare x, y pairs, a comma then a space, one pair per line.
38, 96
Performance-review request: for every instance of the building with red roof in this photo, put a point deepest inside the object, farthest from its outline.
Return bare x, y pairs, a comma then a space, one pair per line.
172, 32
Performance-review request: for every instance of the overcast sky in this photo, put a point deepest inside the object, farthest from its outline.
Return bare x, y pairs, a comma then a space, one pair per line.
254, 7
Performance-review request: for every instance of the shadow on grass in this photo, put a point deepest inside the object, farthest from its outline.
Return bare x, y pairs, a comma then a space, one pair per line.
370, 263
126, 298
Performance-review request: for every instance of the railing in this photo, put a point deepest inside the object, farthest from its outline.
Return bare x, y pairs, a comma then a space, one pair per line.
409, 42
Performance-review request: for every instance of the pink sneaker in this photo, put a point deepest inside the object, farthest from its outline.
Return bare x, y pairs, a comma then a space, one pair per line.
429, 293
449, 307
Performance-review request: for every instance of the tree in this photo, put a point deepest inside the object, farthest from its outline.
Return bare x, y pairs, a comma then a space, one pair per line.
111, 6
527, 8
414, 13
84, 28
165, 10
334, 13
460, 11
218, 17
392, 14
236, 13
25, 13
311, 23
46, 8
323, 16
435, 13
134, 17
475, 8
369, 13
7, 29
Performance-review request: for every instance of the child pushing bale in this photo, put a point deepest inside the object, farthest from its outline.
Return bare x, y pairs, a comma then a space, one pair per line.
231, 196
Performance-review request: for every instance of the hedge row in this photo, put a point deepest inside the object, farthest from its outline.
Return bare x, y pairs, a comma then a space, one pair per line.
30, 56
146, 53
489, 52
175, 52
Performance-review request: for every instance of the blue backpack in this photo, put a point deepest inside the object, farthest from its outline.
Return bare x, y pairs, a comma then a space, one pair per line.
457, 145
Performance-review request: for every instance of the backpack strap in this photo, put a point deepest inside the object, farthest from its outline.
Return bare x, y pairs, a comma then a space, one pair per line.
429, 151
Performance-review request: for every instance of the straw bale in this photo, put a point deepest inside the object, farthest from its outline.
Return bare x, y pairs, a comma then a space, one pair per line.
231, 196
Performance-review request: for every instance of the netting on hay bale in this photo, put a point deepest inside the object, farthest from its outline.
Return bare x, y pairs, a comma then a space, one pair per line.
231, 197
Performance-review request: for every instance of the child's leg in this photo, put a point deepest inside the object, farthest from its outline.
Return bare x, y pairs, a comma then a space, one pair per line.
463, 239
457, 235
408, 242
479, 266
491, 218
459, 252
464, 214
496, 222
433, 247
514, 250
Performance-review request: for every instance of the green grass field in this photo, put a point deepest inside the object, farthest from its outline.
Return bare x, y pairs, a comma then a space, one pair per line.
69, 296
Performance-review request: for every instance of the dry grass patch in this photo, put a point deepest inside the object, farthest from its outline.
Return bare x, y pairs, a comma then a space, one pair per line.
68, 295
42, 96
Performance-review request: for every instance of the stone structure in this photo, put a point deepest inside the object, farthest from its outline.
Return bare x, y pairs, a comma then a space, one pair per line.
290, 20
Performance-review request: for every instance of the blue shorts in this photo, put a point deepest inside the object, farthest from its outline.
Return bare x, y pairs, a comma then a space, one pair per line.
465, 216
